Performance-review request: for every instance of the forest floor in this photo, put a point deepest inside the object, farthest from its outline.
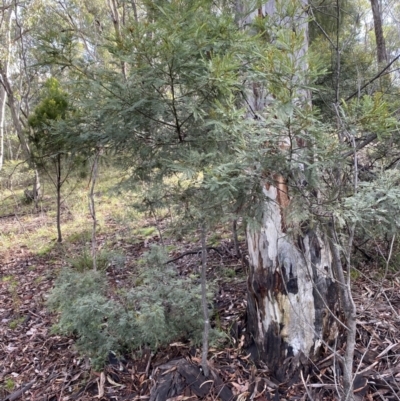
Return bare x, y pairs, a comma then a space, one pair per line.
36, 365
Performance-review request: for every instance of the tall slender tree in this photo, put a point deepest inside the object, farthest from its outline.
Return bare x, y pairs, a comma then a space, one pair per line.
293, 299
381, 52
19, 109
49, 148
5, 29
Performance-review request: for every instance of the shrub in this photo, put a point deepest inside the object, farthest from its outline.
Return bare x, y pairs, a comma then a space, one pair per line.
100, 324
163, 308
168, 306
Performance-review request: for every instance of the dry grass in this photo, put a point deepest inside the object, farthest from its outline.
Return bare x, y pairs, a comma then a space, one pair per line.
34, 229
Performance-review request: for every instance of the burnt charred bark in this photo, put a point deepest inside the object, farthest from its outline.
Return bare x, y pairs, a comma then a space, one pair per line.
292, 294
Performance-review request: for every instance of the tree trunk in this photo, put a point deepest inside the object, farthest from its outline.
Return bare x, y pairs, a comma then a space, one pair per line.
58, 186
348, 308
2, 122
36, 186
116, 20
134, 8
206, 329
380, 39
3, 93
292, 295
14, 113
92, 206
19, 129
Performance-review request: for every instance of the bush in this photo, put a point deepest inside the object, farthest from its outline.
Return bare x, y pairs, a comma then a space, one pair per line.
100, 324
168, 306
163, 308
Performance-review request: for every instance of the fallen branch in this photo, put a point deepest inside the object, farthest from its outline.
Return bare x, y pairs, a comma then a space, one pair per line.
18, 393
194, 252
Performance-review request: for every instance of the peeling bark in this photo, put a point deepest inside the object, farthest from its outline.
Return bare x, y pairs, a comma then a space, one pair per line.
291, 291
292, 294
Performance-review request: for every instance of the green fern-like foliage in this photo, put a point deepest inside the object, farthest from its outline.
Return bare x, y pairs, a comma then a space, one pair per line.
100, 324
168, 306
162, 309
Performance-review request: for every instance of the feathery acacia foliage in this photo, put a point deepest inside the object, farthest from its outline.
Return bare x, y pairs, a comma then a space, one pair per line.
161, 307
172, 104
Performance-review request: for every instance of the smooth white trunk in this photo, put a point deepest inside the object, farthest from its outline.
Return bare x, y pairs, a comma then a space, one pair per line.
6, 37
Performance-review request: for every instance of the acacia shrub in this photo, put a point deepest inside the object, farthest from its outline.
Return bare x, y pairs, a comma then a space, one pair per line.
101, 325
168, 305
162, 307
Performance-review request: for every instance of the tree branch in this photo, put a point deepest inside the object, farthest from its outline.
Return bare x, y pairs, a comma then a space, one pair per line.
365, 142
378, 75
194, 252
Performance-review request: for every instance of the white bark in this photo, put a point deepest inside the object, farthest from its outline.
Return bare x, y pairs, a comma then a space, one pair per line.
3, 98
290, 280
291, 287
5, 57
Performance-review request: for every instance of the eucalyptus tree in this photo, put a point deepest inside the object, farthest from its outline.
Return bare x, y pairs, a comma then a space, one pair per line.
5, 30
18, 78
181, 105
213, 111
293, 297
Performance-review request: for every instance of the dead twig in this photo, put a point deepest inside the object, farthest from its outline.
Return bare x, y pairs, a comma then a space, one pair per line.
194, 252
18, 393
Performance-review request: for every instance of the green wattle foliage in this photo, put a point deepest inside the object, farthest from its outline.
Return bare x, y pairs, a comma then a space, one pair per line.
45, 140
53, 106
161, 308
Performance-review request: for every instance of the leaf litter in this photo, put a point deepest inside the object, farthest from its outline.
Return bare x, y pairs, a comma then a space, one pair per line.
36, 365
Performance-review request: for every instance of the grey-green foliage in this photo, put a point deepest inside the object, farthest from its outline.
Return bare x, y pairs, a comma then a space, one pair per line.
177, 113
178, 118
161, 308
376, 205
168, 306
101, 325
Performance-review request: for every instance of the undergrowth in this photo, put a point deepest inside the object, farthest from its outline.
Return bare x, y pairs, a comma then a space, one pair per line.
104, 259
161, 308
